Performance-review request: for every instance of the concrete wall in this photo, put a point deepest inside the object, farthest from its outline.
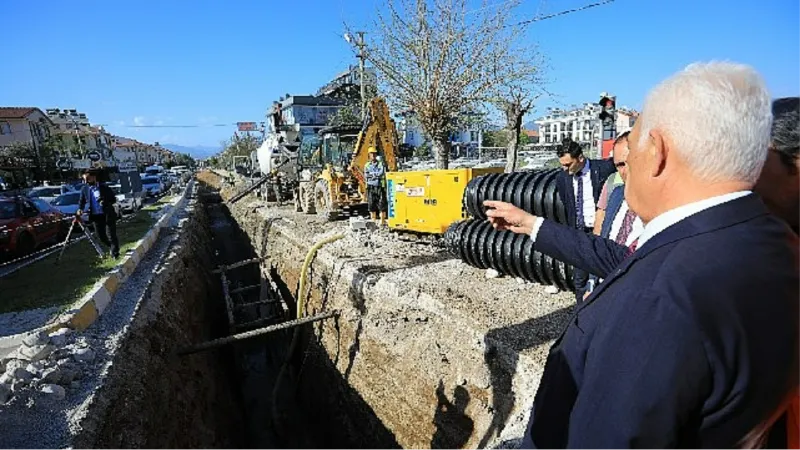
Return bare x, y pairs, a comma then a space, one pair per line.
426, 352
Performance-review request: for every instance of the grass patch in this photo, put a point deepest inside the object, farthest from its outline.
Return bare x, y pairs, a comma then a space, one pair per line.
45, 283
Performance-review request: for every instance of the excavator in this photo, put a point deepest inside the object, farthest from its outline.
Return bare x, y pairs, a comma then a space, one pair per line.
331, 168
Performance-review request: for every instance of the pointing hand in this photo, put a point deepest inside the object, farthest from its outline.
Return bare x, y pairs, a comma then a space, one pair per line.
505, 216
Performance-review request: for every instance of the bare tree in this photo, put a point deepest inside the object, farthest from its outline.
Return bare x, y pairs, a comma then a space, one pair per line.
443, 62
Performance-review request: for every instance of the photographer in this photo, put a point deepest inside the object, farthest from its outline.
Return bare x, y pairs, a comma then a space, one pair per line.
101, 200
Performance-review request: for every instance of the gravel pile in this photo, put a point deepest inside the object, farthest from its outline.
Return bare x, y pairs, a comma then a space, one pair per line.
49, 384
21, 321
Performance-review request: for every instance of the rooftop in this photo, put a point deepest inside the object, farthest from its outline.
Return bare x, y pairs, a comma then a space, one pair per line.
15, 112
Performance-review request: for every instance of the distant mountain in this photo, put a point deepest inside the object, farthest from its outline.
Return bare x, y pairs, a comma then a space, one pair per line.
196, 152
530, 126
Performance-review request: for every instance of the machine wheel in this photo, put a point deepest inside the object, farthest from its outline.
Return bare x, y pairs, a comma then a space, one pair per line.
323, 201
306, 197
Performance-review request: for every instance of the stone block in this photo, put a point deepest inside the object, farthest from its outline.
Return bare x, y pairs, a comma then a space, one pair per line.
53, 391
84, 355
35, 353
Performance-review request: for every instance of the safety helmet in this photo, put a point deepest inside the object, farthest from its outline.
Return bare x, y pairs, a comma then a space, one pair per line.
372, 150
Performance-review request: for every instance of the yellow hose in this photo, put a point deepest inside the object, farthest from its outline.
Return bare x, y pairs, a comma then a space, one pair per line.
304, 271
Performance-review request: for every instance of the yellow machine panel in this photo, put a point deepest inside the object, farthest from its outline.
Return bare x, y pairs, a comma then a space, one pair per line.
428, 201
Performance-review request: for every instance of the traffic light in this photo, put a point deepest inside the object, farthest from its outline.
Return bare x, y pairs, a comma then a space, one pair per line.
608, 103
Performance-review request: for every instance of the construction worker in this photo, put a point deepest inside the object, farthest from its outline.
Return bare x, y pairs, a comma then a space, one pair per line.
376, 190
100, 200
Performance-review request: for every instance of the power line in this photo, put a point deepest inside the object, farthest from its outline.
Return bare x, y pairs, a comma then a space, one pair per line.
560, 13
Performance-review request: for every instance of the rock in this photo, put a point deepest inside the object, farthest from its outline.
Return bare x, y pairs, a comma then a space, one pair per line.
551, 290
521, 280
54, 391
21, 374
33, 368
15, 364
18, 385
6, 379
491, 273
59, 337
75, 384
36, 352
36, 339
359, 223
66, 375
5, 393
84, 355
51, 376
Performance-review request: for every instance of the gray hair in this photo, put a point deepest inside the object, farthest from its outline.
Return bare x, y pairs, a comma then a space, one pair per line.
786, 129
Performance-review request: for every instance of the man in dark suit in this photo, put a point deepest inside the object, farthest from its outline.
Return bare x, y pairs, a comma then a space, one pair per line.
100, 199
692, 340
579, 185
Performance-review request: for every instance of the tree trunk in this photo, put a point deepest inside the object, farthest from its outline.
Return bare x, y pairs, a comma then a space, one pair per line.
514, 126
441, 151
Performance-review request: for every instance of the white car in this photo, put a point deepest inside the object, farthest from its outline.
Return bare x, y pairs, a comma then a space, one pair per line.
68, 204
152, 186
125, 202
49, 193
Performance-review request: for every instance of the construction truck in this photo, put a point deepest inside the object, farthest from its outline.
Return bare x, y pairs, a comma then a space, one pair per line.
331, 167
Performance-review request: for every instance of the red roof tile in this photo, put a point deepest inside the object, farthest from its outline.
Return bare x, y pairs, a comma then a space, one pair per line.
15, 112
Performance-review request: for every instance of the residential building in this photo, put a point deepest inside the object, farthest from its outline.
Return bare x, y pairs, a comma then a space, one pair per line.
302, 110
78, 136
349, 80
582, 124
533, 136
410, 132
24, 125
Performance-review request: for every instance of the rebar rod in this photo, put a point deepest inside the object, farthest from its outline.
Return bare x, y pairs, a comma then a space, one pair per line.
235, 265
257, 332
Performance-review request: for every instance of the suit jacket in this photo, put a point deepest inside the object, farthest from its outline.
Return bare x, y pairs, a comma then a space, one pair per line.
690, 342
107, 199
599, 170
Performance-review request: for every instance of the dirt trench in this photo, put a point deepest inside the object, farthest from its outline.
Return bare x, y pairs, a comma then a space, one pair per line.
154, 398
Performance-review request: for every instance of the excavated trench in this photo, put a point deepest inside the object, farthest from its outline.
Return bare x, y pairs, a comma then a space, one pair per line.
423, 352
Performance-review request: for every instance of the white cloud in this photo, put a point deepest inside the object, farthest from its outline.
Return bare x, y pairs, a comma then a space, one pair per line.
139, 121
119, 123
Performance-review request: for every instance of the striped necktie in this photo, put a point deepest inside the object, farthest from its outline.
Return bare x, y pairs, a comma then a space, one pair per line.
580, 222
632, 247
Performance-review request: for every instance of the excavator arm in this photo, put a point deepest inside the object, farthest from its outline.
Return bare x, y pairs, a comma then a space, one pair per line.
378, 131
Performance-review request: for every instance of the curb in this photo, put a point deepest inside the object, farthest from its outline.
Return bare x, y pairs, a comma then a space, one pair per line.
85, 311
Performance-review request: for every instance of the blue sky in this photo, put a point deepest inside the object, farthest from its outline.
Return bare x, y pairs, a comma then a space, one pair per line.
211, 62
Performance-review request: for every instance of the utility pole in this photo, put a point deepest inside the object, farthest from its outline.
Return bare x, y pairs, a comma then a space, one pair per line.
362, 56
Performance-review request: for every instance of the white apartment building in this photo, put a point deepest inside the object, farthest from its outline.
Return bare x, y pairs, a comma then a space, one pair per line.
410, 133
582, 124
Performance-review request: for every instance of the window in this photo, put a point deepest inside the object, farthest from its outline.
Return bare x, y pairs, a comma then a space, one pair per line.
473, 136
5, 128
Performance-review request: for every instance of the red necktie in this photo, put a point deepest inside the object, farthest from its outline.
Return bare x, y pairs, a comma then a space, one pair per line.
632, 247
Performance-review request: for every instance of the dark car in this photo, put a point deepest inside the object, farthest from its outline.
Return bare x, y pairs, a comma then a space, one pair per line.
26, 224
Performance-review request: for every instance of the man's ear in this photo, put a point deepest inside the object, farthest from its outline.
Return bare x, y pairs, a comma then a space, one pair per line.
658, 152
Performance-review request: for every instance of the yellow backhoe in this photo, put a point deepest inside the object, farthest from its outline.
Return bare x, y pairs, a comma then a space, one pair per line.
342, 154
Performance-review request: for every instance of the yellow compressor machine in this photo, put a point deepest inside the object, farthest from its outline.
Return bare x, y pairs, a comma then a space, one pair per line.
428, 201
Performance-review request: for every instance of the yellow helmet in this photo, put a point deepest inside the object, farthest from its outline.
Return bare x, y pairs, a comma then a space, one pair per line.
372, 150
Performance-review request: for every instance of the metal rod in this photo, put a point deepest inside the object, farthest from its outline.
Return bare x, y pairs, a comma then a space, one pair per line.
221, 269
257, 321
228, 300
245, 288
257, 332
260, 302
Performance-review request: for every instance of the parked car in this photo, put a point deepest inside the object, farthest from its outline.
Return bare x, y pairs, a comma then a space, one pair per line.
26, 224
152, 185
125, 202
49, 193
68, 204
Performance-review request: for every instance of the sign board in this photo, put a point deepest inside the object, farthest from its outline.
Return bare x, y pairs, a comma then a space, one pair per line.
64, 164
94, 156
247, 126
415, 192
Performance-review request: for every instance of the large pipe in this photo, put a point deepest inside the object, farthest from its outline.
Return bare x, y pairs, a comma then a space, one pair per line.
481, 246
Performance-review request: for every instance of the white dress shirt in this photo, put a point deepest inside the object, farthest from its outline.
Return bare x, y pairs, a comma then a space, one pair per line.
588, 195
673, 216
616, 225
667, 219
